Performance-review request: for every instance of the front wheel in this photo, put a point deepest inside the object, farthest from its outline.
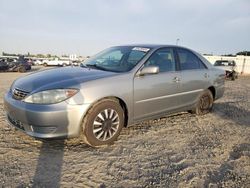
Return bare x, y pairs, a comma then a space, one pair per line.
103, 123
204, 103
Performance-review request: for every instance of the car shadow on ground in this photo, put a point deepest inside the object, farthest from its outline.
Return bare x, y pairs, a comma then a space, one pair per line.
49, 164
225, 172
232, 111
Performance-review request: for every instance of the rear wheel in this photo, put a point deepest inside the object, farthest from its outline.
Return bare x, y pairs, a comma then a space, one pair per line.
103, 123
45, 64
204, 103
233, 76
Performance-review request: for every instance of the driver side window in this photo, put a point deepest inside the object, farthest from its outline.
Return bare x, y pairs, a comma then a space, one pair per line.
164, 59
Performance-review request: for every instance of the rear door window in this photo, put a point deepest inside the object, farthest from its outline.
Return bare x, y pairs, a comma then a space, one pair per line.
188, 60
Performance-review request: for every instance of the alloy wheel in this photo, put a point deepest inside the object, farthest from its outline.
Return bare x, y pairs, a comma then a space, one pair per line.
106, 124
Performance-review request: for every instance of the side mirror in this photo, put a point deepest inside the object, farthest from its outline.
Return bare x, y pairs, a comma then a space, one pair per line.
149, 70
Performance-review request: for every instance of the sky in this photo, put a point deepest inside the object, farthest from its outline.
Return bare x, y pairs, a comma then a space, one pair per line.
85, 27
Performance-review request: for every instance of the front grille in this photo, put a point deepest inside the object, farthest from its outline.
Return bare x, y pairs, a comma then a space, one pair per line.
19, 94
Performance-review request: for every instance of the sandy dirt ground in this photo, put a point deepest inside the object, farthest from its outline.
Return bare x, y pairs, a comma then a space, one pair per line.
181, 150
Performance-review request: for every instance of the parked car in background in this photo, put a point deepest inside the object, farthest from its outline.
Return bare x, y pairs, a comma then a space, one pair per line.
117, 88
3, 65
57, 62
17, 65
229, 67
40, 62
30, 61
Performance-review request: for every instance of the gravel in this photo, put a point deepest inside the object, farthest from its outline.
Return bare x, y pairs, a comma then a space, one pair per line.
181, 150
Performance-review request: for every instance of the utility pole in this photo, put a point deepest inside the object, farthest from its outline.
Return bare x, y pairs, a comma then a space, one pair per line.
177, 40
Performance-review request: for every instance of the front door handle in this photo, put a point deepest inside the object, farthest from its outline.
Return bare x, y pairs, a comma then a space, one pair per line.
176, 79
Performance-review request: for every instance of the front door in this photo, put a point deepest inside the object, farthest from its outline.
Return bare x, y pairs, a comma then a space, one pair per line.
157, 93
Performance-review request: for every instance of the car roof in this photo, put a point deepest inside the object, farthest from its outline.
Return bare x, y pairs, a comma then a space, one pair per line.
152, 46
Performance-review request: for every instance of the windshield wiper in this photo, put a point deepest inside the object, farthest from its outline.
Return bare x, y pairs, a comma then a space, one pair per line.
95, 66
83, 65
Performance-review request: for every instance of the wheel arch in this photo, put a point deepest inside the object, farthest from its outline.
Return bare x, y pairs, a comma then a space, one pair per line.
120, 101
213, 91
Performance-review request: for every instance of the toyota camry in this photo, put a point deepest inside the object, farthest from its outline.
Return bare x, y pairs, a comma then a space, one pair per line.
116, 88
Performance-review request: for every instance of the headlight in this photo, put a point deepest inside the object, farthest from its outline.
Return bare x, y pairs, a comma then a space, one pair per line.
11, 87
50, 96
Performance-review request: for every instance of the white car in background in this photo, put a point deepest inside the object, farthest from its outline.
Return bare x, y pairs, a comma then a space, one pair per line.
38, 62
57, 62
229, 66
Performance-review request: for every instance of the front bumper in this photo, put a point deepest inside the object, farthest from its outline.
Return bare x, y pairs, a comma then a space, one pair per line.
45, 121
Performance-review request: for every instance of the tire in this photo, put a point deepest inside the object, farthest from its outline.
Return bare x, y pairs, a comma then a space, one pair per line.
64, 65
204, 103
233, 76
21, 69
45, 64
103, 123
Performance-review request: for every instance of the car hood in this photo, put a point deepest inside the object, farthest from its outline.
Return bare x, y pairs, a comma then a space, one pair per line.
56, 78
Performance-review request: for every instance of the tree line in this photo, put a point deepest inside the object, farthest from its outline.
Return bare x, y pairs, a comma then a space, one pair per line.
30, 55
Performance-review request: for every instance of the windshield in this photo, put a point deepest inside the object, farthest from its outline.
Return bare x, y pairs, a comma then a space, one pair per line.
117, 59
224, 63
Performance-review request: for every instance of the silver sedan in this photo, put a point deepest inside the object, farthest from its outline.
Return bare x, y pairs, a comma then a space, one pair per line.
116, 88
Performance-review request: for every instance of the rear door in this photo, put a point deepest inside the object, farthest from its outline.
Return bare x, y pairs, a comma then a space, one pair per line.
156, 93
194, 76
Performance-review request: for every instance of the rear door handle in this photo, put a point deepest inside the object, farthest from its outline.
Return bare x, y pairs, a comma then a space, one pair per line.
176, 79
206, 75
